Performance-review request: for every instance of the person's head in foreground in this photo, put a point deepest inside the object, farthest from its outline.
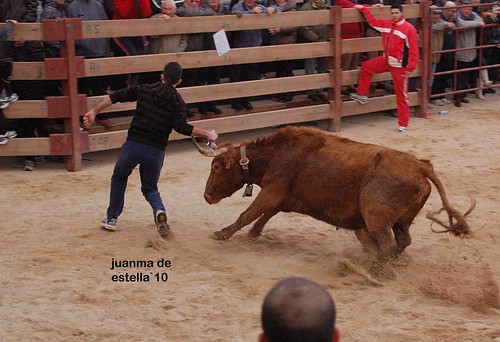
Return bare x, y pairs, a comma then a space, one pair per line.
298, 310
172, 74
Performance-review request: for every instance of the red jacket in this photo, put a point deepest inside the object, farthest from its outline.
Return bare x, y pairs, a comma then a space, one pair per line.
399, 40
132, 9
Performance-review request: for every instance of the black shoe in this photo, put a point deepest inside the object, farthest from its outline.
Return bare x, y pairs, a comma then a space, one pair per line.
203, 109
287, 97
236, 106
323, 97
464, 100
214, 109
489, 91
314, 97
247, 105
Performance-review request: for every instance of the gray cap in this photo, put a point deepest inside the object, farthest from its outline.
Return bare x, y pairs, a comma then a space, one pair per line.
450, 4
465, 2
436, 9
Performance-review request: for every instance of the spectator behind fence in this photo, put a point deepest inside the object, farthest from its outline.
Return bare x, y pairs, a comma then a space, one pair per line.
244, 39
172, 43
298, 310
91, 48
349, 61
211, 75
467, 58
6, 67
25, 11
280, 36
132, 46
314, 34
192, 8
488, 37
447, 59
438, 30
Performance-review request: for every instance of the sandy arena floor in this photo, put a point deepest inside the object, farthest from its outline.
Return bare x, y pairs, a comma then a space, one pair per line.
57, 285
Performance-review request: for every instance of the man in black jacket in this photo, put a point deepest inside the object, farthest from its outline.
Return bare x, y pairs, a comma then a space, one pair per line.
160, 108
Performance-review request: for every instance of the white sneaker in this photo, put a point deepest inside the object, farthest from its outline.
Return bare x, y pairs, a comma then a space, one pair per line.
3, 141
161, 223
437, 102
402, 129
109, 224
12, 98
9, 134
29, 165
360, 98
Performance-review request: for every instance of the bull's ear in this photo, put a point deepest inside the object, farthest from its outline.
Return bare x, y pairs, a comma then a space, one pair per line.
228, 164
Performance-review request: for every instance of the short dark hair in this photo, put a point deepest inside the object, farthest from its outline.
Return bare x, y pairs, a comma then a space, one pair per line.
298, 310
397, 5
172, 73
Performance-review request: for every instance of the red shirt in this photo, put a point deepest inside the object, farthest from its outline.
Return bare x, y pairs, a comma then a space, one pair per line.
128, 9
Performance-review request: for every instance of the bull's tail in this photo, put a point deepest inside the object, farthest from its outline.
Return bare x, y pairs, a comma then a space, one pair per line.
457, 223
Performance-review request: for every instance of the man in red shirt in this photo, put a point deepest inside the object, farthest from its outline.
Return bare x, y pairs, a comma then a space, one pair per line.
400, 58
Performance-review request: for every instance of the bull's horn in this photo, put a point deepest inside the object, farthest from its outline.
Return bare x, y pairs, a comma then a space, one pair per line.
207, 153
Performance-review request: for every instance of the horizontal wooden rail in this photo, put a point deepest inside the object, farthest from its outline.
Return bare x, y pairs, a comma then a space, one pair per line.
106, 141
24, 109
158, 26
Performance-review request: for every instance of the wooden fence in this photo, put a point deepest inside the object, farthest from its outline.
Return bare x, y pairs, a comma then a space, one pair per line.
71, 106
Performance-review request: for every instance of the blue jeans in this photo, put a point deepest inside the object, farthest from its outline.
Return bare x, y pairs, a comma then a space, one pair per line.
150, 162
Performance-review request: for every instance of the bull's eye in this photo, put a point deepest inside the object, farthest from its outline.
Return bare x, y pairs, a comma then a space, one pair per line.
216, 167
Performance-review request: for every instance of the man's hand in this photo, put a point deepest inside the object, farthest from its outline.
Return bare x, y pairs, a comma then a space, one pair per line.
358, 6
212, 136
12, 21
379, 5
89, 117
271, 10
257, 10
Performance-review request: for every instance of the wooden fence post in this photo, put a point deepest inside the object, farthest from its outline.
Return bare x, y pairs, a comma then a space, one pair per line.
74, 65
335, 70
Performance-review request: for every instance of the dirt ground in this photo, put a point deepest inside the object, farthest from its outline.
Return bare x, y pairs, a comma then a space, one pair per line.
57, 285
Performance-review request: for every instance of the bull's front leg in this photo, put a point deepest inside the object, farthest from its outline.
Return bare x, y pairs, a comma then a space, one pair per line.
268, 201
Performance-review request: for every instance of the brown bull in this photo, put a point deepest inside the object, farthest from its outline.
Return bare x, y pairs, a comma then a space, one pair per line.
367, 188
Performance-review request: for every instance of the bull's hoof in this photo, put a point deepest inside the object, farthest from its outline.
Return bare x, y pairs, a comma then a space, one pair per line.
254, 233
219, 235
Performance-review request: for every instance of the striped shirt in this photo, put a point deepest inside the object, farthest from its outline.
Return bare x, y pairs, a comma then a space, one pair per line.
160, 108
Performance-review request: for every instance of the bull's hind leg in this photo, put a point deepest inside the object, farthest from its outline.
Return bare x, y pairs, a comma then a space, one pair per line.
261, 222
368, 244
401, 228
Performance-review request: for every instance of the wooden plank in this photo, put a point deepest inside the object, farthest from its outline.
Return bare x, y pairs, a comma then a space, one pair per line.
26, 147
158, 26
350, 77
196, 59
28, 71
356, 45
24, 109
26, 31
232, 90
111, 140
376, 104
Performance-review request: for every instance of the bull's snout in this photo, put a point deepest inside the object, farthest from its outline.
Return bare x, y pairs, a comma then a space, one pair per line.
209, 199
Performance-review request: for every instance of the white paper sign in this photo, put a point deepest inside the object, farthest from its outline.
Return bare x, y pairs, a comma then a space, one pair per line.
221, 42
